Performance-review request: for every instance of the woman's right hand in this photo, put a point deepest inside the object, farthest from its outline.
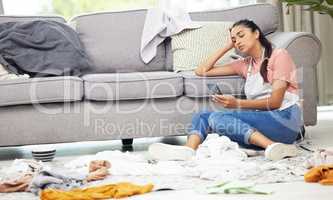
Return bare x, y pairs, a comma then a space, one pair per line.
230, 45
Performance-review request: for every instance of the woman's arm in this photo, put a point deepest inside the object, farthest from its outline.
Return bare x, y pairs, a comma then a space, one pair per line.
279, 88
207, 68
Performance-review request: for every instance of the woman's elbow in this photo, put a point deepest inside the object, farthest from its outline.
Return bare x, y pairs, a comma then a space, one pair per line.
198, 72
273, 105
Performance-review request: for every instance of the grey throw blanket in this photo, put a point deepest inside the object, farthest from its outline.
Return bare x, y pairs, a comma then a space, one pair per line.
41, 48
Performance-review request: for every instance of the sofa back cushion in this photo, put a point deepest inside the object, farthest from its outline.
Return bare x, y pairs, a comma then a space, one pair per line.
266, 16
112, 40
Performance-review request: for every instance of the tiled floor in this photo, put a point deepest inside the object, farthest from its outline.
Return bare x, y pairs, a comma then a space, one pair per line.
320, 135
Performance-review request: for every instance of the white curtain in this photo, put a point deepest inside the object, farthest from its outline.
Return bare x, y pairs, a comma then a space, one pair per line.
300, 20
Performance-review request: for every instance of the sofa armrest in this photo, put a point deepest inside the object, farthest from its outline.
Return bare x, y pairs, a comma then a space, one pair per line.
305, 49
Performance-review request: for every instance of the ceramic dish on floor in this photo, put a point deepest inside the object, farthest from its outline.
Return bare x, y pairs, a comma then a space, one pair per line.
43, 154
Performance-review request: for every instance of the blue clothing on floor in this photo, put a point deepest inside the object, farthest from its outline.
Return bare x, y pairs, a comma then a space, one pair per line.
278, 125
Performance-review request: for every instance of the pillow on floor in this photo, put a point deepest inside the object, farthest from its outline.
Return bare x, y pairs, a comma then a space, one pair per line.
191, 47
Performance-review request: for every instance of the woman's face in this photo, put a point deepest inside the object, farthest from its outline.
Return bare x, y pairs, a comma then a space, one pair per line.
243, 38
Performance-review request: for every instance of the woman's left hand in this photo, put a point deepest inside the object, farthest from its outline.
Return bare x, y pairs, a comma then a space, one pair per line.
227, 101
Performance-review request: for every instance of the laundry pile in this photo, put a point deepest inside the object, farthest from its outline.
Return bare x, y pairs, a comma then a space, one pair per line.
52, 184
217, 159
219, 166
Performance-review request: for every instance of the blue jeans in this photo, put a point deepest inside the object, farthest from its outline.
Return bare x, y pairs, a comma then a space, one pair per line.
279, 126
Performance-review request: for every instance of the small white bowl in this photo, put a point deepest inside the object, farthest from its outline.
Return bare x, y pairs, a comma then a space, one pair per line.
44, 155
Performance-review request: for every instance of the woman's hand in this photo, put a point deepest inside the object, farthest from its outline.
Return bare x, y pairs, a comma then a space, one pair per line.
230, 45
227, 101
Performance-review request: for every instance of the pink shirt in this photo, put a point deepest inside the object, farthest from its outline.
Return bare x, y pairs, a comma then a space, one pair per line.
280, 67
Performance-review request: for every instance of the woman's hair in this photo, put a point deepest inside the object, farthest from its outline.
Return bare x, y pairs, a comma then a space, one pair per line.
263, 41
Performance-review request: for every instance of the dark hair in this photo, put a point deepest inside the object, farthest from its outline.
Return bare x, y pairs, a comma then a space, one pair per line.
263, 41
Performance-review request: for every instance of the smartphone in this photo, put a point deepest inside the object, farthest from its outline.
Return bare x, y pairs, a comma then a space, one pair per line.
214, 89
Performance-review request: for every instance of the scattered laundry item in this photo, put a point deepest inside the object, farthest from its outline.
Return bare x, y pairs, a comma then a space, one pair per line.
160, 24
234, 187
98, 164
221, 147
119, 190
37, 177
18, 185
228, 170
20, 167
322, 174
97, 175
66, 180
129, 164
320, 157
160, 151
58, 179
278, 151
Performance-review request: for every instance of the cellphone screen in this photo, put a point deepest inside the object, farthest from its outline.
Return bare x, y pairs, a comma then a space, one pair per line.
213, 88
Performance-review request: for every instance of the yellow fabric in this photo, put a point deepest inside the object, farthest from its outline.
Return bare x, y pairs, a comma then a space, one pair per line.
119, 190
322, 174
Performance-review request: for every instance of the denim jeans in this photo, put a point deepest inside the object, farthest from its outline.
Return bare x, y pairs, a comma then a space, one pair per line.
278, 125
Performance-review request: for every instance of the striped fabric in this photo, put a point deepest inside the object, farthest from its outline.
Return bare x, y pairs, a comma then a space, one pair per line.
191, 47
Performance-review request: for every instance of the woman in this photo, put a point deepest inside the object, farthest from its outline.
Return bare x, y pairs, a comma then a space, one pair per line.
269, 118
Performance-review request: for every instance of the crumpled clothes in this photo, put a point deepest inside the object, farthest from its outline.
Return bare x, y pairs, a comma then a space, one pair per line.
19, 167
322, 174
220, 147
36, 178
129, 164
18, 185
58, 179
66, 180
119, 190
98, 170
320, 157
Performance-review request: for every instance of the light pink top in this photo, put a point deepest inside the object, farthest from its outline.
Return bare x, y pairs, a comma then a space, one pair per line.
280, 67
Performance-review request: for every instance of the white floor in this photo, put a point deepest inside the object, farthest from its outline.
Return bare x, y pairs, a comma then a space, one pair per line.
320, 135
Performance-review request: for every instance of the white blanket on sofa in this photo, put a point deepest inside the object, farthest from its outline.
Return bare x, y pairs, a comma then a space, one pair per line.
160, 24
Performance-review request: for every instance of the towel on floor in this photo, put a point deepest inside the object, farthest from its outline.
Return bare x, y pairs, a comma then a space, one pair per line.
119, 190
322, 174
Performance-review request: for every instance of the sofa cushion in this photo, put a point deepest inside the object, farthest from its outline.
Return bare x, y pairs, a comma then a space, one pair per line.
139, 85
266, 16
189, 49
41, 90
196, 86
112, 40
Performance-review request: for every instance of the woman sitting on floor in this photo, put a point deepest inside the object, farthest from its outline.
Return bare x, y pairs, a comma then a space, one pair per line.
270, 117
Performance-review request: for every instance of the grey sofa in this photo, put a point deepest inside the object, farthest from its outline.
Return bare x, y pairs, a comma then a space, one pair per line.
123, 98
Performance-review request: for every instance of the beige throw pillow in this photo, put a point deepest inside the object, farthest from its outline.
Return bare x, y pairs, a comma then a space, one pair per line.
191, 47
